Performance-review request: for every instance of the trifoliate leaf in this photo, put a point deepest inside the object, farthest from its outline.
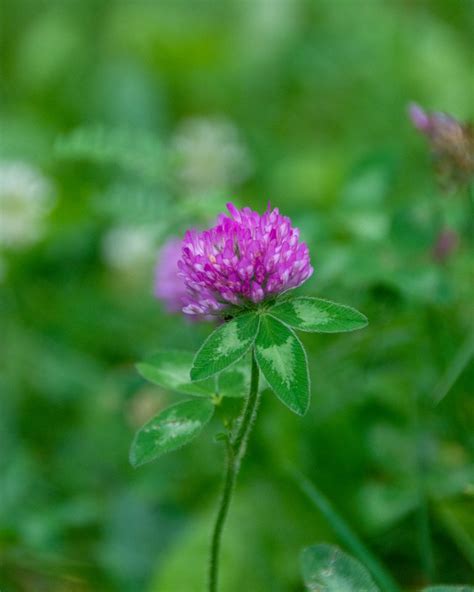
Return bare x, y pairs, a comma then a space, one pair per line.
317, 315
326, 568
282, 360
172, 428
225, 345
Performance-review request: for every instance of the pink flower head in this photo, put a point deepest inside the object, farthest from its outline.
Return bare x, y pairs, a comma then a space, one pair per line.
451, 143
244, 259
169, 286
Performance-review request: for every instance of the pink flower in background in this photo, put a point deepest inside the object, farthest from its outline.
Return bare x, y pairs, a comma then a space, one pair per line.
446, 243
419, 118
169, 286
245, 258
435, 125
451, 143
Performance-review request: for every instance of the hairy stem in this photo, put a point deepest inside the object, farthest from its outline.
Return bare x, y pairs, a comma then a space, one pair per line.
235, 446
247, 418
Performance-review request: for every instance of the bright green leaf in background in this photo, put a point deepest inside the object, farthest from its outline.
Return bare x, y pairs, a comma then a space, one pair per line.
282, 360
225, 345
326, 568
170, 369
169, 430
235, 381
315, 314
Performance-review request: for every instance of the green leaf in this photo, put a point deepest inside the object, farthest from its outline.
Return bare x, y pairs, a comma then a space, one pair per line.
448, 589
169, 430
326, 568
170, 369
282, 360
317, 315
235, 381
225, 345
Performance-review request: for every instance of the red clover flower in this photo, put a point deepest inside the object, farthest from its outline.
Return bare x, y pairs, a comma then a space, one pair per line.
244, 259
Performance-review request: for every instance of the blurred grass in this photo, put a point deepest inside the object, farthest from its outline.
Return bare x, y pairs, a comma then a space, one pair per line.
345, 533
317, 92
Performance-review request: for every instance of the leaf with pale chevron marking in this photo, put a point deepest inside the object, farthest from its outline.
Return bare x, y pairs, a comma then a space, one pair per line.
282, 360
169, 430
318, 315
227, 344
326, 568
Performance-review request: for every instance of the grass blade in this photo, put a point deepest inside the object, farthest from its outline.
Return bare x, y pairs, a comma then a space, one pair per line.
346, 534
455, 369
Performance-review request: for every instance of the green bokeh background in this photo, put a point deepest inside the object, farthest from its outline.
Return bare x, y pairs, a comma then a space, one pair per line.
318, 93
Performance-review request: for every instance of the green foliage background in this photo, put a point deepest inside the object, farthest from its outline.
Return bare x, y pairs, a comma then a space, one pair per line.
318, 91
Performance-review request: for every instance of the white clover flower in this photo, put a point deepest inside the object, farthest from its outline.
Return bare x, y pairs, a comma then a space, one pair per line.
26, 198
210, 154
125, 248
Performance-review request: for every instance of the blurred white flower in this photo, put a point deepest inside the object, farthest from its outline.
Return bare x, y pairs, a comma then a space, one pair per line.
273, 24
26, 198
210, 154
128, 247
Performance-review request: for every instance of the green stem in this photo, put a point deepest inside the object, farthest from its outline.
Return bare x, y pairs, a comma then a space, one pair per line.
229, 483
249, 413
235, 446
